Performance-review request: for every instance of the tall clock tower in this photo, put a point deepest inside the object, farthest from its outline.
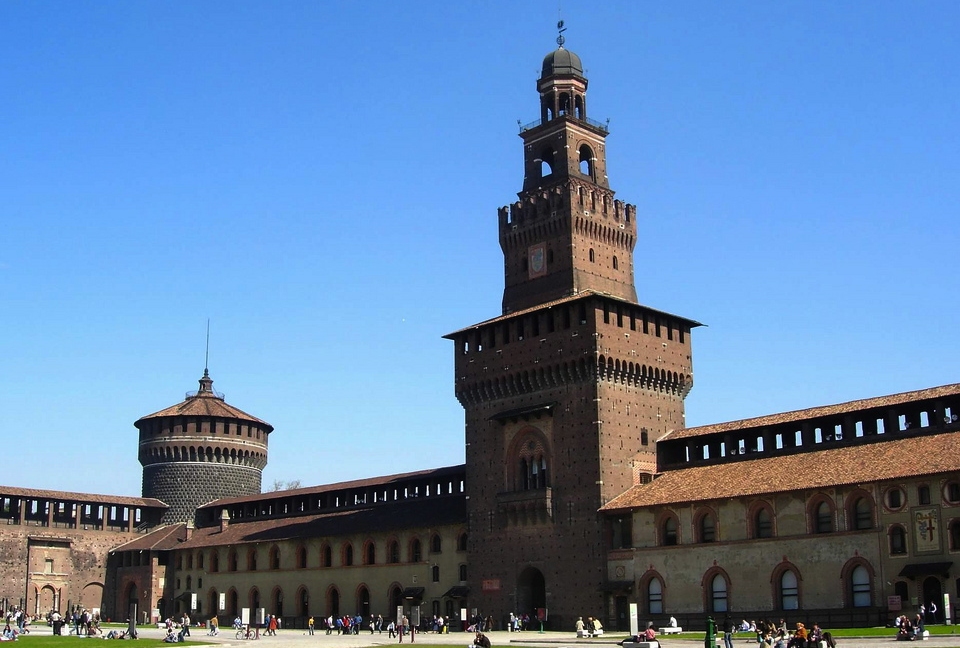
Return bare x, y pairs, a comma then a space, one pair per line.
566, 392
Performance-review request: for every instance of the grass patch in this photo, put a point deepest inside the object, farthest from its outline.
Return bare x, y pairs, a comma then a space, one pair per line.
66, 641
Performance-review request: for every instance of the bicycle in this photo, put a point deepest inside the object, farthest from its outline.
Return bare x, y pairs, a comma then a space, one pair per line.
247, 633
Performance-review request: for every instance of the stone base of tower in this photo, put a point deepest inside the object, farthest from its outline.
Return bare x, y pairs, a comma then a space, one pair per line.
186, 486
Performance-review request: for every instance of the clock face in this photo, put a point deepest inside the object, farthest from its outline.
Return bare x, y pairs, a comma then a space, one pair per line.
537, 261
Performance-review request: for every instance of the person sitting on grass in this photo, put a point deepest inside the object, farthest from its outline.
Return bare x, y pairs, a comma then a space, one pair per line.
480, 641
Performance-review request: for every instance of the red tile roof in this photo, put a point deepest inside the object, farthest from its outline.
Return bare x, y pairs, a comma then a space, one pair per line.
162, 538
206, 403
376, 518
880, 460
817, 412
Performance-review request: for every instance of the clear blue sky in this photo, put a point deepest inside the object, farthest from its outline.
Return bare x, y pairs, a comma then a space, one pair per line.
321, 180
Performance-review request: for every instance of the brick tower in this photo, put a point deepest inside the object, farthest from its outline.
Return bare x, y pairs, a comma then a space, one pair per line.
567, 391
200, 450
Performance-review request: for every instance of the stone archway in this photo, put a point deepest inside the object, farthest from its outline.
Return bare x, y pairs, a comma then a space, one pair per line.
531, 591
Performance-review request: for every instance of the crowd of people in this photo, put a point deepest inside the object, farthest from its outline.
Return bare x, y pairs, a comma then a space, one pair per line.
909, 629
777, 635
589, 628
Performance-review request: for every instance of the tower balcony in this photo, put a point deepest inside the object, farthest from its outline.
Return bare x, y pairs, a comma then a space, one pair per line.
603, 127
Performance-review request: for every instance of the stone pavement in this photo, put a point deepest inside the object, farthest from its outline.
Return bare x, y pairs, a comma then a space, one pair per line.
300, 639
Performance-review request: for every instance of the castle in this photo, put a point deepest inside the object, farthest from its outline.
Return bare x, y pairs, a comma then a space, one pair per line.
582, 492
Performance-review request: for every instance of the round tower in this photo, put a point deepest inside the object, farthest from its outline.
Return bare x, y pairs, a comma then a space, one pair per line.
201, 450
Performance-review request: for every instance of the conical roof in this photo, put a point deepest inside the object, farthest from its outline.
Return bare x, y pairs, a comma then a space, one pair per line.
206, 403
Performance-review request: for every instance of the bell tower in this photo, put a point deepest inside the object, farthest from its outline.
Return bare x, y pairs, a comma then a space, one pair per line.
566, 233
566, 391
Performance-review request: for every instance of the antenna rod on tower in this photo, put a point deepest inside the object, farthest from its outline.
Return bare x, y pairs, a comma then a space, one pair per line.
206, 354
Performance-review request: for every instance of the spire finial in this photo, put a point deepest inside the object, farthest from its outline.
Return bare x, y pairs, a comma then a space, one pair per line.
560, 29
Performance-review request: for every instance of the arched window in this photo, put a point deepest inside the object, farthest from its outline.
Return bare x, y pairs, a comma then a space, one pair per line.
199, 560
898, 540
789, 591
436, 543
762, 521
214, 599
435, 573
530, 450
326, 556
301, 557
546, 162
718, 593
668, 531
232, 560
416, 554
860, 587
393, 552
254, 598
586, 161
370, 553
951, 492
862, 514
823, 518
251, 559
189, 583
463, 573
462, 542
923, 494
214, 561
274, 558
616, 264
347, 555
593, 256
655, 596
706, 527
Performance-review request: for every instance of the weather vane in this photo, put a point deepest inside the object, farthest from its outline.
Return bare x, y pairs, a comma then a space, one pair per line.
560, 39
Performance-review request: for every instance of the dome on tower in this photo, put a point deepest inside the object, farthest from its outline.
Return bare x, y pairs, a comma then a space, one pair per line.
561, 62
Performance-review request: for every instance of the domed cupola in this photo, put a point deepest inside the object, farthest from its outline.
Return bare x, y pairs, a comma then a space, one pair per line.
561, 62
200, 450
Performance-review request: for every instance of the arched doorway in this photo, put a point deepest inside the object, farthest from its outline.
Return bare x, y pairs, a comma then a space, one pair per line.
91, 596
396, 599
333, 602
46, 599
363, 602
933, 593
131, 601
531, 591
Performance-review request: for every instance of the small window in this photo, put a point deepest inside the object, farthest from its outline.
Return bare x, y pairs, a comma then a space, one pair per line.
435, 544
952, 492
954, 535
326, 556
862, 514
823, 523
718, 594
763, 524
435, 574
898, 541
860, 587
416, 554
923, 494
655, 596
708, 528
462, 542
463, 573
789, 591
593, 256
616, 264
348, 555
670, 531
393, 552
894, 499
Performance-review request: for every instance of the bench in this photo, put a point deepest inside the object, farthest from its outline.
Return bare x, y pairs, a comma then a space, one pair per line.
671, 630
641, 644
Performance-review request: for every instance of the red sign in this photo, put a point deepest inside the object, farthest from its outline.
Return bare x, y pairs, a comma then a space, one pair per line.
894, 604
490, 585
